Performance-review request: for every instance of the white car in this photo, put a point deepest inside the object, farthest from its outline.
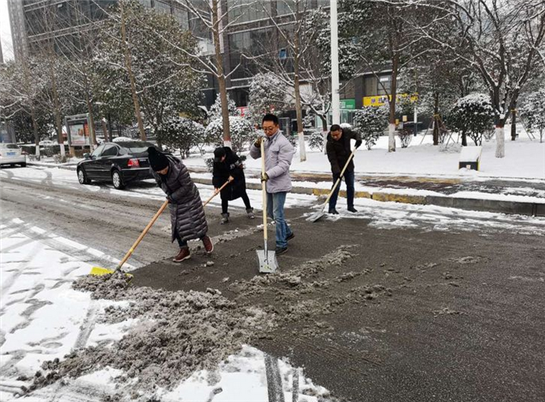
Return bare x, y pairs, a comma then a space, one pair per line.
11, 154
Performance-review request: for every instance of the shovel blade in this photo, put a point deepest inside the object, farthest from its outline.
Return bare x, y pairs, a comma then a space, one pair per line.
317, 215
267, 263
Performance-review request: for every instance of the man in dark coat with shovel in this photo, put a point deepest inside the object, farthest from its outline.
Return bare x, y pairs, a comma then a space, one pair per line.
186, 211
338, 151
228, 167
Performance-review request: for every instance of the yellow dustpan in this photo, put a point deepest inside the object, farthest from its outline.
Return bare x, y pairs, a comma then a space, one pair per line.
105, 271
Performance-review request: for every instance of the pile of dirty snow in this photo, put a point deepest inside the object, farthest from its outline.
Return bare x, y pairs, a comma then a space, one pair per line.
178, 333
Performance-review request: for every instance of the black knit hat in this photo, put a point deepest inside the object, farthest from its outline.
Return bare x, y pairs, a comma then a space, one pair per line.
157, 160
218, 154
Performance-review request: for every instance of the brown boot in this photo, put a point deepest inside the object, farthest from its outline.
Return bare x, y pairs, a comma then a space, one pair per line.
208, 245
182, 255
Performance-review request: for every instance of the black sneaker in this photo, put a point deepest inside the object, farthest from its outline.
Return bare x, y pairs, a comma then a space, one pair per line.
291, 236
333, 211
281, 250
352, 209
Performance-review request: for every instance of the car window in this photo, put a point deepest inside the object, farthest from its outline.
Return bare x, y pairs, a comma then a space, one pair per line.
135, 147
98, 151
109, 150
12, 146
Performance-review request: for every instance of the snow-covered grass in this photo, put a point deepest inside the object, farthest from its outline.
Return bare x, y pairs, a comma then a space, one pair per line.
524, 158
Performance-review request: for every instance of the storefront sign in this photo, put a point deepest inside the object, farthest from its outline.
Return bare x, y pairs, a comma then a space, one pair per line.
382, 99
348, 103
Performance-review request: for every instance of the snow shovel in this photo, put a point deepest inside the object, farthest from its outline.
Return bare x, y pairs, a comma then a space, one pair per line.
105, 271
266, 258
213, 195
321, 212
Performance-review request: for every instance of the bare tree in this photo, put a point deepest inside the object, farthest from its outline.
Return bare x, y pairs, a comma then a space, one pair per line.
216, 21
501, 42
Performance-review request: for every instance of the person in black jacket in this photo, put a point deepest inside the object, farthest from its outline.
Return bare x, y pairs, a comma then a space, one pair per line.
338, 152
228, 166
186, 211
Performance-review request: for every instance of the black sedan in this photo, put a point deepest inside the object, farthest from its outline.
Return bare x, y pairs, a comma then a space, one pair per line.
118, 162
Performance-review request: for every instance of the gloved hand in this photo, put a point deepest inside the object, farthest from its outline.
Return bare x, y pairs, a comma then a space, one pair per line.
358, 144
258, 142
264, 177
170, 199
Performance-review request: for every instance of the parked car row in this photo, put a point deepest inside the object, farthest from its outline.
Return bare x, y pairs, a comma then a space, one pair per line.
11, 154
117, 162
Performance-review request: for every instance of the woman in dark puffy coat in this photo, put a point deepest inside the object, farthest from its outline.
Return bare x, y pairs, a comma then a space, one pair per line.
228, 166
186, 211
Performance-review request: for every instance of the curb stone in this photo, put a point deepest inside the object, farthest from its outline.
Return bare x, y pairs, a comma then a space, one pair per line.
486, 205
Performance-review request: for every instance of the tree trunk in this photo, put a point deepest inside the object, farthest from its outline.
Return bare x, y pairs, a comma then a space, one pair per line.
131, 76
393, 94
436, 119
500, 140
57, 110
464, 139
220, 75
514, 123
105, 130
92, 136
297, 88
35, 130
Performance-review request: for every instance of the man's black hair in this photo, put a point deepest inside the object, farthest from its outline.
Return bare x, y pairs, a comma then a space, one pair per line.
335, 127
270, 117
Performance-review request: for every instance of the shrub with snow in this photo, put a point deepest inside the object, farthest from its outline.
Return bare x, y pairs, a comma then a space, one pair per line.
241, 129
181, 133
472, 116
215, 109
371, 122
268, 94
316, 140
532, 112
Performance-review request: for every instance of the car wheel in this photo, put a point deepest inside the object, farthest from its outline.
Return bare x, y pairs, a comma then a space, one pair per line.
82, 177
117, 179
23, 164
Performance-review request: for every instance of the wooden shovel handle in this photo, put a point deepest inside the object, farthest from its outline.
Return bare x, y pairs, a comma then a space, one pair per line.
137, 242
264, 190
213, 195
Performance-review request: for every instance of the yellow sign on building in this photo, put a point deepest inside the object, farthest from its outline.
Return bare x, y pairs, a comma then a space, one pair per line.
380, 100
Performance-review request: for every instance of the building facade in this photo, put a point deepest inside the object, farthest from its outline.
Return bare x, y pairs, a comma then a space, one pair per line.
250, 36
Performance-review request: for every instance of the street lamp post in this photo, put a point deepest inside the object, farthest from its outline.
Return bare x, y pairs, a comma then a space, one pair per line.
335, 97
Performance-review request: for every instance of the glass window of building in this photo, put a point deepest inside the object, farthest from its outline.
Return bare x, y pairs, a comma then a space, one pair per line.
256, 43
181, 16
248, 10
162, 7
145, 3
285, 7
383, 85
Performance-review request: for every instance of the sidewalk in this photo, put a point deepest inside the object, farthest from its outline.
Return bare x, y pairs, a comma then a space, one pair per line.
506, 195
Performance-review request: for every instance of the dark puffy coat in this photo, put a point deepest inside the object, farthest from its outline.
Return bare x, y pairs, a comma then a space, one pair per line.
339, 151
186, 210
231, 166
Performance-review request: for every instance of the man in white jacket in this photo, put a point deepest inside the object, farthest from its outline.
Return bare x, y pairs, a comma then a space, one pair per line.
278, 155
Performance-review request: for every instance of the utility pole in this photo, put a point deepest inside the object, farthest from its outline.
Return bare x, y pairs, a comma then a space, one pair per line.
131, 76
335, 97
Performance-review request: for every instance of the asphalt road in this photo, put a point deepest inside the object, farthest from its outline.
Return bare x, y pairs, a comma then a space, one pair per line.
399, 305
